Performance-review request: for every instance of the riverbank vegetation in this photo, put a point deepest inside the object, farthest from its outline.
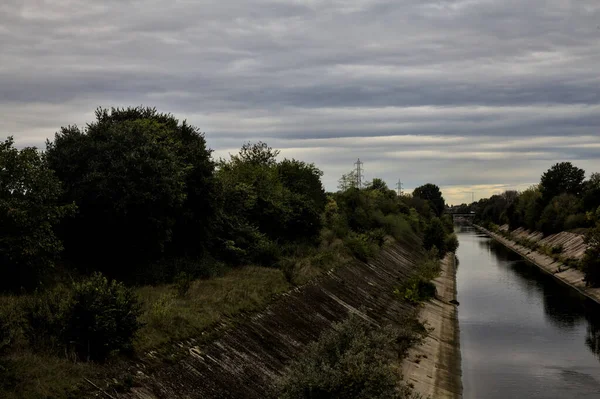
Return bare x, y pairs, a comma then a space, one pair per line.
563, 201
126, 236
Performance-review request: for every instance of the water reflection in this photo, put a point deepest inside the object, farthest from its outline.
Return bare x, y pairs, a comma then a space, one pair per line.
525, 333
592, 339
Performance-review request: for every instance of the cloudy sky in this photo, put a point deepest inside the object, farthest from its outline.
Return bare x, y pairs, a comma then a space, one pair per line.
474, 95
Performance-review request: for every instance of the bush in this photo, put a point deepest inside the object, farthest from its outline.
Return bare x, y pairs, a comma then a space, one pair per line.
590, 264
556, 249
360, 246
435, 236
451, 243
102, 318
353, 360
93, 318
417, 290
576, 221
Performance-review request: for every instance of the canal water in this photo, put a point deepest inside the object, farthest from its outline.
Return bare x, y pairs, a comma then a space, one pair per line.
523, 334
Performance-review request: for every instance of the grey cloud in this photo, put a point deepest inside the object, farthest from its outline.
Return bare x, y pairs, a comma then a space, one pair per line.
310, 77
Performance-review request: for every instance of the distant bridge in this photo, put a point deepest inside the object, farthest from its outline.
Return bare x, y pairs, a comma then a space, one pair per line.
463, 216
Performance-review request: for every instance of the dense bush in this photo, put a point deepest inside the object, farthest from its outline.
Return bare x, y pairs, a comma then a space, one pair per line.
361, 246
29, 213
91, 319
267, 204
353, 360
590, 263
417, 290
435, 236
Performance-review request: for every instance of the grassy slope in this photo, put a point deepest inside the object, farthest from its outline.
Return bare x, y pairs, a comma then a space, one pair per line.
168, 318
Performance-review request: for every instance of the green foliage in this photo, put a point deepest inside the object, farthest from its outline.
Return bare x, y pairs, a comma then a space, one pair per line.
93, 318
29, 214
431, 192
555, 214
361, 246
102, 317
143, 183
435, 236
561, 178
562, 201
353, 360
590, 264
451, 243
557, 249
267, 203
417, 290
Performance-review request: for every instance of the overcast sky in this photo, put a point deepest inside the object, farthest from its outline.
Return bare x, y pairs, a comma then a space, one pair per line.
475, 96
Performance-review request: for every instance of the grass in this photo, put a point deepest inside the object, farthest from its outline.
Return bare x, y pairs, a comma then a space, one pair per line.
170, 317
171, 313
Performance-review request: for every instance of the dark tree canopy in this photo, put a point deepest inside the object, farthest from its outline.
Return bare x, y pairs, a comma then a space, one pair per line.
431, 193
142, 182
561, 178
29, 212
268, 203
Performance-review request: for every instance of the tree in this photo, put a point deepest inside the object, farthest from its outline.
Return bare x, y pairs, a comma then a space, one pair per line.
267, 203
431, 193
561, 178
29, 214
303, 179
378, 184
435, 236
347, 181
142, 181
591, 260
591, 192
555, 214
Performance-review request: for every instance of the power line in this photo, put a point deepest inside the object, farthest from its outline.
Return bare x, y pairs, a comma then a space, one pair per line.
399, 187
359, 172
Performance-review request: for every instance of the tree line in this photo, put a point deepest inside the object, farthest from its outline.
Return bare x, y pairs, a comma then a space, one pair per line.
564, 200
135, 198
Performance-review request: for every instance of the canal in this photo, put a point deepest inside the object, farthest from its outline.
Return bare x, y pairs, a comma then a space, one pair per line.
523, 334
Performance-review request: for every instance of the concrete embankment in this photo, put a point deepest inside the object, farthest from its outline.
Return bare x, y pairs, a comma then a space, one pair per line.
434, 368
570, 276
246, 361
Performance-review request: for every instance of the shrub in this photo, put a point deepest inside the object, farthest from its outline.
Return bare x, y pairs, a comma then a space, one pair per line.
102, 318
451, 243
93, 318
360, 246
576, 221
590, 264
353, 360
435, 236
556, 249
417, 290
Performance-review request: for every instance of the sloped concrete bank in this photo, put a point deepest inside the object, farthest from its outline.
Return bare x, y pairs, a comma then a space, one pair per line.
570, 276
434, 368
246, 361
